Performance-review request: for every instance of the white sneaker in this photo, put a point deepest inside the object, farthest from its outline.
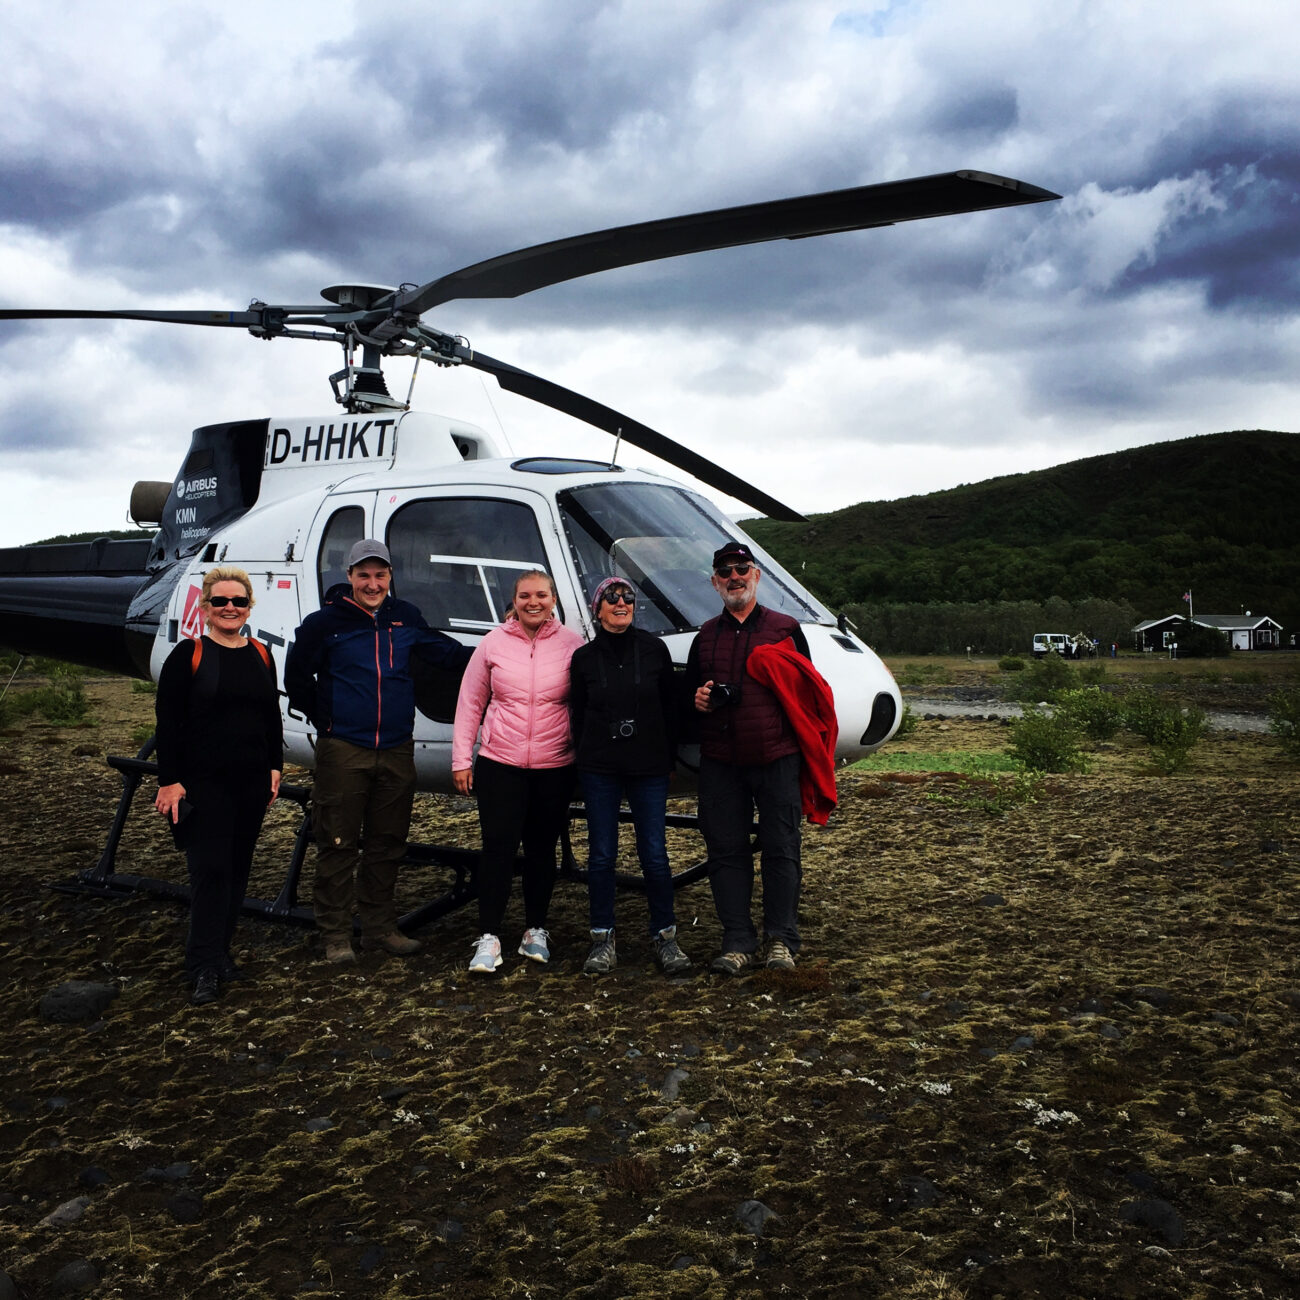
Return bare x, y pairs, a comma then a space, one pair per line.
535, 945
487, 955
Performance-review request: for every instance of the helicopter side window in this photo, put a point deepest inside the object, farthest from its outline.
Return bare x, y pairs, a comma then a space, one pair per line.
457, 558
346, 527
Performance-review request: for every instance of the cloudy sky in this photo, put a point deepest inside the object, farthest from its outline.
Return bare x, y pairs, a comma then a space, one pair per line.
199, 155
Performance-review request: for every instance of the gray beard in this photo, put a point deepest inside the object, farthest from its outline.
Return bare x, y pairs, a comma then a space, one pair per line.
736, 600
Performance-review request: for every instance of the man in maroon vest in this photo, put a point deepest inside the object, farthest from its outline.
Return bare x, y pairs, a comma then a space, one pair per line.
749, 760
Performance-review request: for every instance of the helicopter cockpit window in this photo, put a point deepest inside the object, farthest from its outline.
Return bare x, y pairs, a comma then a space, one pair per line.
346, 527
662, 540
457, 558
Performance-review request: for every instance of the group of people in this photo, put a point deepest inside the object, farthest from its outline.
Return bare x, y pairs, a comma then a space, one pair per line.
547, 714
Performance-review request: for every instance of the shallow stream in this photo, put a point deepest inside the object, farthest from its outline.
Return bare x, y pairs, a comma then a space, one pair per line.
922, 705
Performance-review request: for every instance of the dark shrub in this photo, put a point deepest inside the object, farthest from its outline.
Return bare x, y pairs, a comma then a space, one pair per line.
1172, 730
1197, 642
1284, 718
1090, 710
1044, 743
1042, 680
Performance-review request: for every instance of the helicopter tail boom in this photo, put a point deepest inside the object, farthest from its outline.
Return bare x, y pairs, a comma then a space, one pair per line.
70, 601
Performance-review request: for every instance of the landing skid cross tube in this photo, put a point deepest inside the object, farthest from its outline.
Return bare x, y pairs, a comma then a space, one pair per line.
105, 881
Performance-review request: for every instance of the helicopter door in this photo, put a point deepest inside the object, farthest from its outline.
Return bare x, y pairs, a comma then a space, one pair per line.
343, 523
456, 558
340, 522
276, 612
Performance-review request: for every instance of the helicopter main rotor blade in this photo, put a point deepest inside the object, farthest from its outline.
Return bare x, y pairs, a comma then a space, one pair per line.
639, 435
527, 269
236, 319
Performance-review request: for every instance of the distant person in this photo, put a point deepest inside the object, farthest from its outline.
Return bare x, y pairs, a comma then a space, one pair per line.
624, 705
515, 697
349, 672
750, 759
220, 754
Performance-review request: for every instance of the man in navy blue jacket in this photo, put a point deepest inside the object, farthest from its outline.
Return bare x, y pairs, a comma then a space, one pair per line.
349, 672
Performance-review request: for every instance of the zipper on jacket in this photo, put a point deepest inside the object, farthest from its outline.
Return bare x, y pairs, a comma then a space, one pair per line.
532, 692
379, 688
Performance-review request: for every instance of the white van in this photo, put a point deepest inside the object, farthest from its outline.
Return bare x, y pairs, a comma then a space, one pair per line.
1046, 642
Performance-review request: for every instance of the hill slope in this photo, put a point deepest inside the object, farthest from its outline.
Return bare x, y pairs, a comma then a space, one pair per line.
1216, 514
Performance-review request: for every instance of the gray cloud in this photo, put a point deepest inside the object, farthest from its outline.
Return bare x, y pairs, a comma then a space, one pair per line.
200, 155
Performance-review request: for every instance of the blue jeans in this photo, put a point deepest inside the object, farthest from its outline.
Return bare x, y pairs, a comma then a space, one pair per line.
647, 797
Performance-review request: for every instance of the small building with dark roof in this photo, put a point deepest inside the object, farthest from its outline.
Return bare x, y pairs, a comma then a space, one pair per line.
1244, 631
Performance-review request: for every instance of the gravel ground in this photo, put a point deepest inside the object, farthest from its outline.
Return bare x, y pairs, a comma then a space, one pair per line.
1048, 1052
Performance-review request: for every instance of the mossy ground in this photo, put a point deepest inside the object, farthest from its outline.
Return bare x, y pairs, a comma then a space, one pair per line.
510, 1136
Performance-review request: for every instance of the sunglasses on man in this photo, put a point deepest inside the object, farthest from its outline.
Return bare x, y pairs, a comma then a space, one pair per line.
726, 570
614, 597
220, 602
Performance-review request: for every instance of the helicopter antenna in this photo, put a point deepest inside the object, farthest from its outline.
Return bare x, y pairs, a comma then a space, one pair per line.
618, 438
496, 415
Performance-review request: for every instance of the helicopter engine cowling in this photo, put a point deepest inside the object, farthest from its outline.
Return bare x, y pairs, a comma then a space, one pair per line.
100, 603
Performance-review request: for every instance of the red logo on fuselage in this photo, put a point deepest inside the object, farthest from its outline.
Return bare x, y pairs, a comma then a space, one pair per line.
192, 619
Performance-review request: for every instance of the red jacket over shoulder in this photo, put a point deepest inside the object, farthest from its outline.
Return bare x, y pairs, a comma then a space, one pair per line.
809, 706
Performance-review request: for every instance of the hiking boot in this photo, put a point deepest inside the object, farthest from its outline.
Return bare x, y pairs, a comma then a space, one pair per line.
487, 955
230, 973
732, 963
671, 959
395, 943
601, 959
779, 956
207, 988
339, 951
535, 945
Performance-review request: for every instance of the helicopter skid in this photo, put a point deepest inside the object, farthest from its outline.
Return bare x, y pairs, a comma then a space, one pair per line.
104, 881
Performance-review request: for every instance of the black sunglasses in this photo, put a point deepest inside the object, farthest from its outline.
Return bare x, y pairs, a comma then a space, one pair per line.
726, 570
220, 602
613, 598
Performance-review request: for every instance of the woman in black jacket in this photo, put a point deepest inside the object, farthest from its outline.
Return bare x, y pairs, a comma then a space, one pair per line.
220, 753
624, 708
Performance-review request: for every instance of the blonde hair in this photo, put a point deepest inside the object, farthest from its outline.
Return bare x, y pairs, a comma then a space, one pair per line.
226, 573
532, 573
535, 573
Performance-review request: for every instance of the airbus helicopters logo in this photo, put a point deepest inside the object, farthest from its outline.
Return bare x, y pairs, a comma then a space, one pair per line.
323, 443
196, 489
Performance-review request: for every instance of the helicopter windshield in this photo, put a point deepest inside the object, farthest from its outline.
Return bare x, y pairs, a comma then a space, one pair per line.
662, 540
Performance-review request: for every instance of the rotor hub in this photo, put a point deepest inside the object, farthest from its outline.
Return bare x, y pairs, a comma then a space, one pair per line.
362, 297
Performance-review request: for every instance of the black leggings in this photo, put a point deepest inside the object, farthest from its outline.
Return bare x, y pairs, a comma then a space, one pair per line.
528, 805
219, 850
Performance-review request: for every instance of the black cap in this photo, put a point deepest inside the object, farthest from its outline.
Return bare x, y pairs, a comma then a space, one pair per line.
733, 551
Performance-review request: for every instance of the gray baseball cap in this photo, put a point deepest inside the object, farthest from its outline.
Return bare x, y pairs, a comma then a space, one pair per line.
369, 549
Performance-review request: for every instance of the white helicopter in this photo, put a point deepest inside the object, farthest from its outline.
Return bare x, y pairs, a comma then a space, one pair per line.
285, 497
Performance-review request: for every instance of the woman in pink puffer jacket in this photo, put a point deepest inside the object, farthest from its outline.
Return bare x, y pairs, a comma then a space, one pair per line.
515, 698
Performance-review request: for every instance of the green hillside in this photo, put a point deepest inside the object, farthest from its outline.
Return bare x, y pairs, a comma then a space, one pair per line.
1216, 513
